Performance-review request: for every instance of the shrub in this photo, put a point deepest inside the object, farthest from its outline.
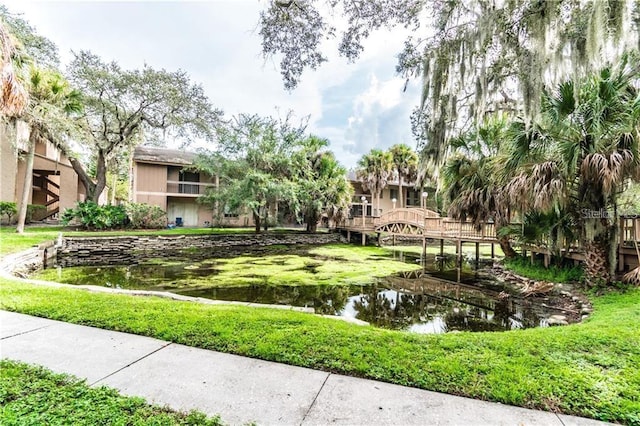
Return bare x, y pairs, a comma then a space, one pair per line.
537, 271
146, 216
34, 210
8, 208
93, 216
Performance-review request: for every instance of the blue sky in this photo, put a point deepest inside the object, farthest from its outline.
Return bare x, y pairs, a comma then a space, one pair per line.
356, 106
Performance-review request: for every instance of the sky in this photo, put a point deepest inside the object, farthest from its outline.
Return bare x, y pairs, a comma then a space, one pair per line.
356, 106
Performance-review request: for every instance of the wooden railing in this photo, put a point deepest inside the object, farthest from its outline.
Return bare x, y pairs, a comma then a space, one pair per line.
433, 226
188, 188
407, 215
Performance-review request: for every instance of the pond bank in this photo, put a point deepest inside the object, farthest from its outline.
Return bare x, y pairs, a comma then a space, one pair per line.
117, 250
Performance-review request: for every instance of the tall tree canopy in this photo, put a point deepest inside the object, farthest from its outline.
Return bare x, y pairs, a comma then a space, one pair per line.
580, 155
20, 49
473, 56
266, 163
374, 171
405, 164
124, 107
254, 165
322, 184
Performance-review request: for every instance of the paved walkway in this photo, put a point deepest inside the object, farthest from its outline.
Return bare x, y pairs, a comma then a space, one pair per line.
242, 389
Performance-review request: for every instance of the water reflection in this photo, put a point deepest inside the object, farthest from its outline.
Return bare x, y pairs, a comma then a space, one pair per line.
441, 297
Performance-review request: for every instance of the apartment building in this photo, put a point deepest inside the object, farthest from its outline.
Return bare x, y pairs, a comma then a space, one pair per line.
55, 185
162, 177
389, 198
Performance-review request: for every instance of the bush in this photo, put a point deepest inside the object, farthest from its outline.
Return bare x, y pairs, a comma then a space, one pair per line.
146, 216
557, 274
93, 216
34, 209
8, 208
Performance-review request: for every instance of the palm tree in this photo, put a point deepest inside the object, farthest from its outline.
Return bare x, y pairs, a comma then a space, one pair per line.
323, 187
13, 94
405, 162
51, 100
374, 170
472, 180
589, 132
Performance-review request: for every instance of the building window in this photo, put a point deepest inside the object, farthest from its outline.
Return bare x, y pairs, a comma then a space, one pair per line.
413, 198
229, 212
185, 188
393, 193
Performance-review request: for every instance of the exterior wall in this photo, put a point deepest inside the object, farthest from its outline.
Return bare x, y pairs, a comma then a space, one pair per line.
47, 158
150, 178
151, 185
8, 165
386, 199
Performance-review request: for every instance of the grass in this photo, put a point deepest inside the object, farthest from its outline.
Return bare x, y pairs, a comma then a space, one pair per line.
31, 395
587, 369
536, 271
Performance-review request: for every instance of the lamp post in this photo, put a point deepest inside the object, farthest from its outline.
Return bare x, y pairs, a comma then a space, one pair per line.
393, 200
364, 208
424, 199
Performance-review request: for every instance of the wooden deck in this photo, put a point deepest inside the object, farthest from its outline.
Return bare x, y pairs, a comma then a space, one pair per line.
421, 223
426, 224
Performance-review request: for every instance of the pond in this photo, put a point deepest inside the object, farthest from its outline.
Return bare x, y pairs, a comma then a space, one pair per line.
386, 288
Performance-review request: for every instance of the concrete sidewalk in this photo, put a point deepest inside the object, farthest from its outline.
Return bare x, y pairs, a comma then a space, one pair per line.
242, 389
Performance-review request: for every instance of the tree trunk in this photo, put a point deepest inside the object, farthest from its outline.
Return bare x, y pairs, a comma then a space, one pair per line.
88, 183
597, 252
400, 194
101, 177
28, 183
596, 264
265, 223
505, 245
256, 221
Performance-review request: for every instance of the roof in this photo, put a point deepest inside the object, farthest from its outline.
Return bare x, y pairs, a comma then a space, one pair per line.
150, 154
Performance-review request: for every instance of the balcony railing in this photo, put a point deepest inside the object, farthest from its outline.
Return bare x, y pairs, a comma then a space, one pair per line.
188, 188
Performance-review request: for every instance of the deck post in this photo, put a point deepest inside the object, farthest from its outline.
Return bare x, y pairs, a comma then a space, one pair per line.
620, 245
533, 257
348, 236
394, 239
379, 244
459, 252
547, 259
424, 249
442, 247
493, 253
477, 253
364, 239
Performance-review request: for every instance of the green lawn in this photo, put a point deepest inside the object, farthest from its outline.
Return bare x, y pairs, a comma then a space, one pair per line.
31, 395
588, 369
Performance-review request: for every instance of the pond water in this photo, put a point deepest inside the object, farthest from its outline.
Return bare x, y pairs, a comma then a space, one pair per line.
436, 298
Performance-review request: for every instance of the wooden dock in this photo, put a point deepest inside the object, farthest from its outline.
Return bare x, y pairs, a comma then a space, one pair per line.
423, 224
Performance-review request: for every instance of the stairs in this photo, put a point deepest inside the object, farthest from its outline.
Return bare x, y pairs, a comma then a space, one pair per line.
51, 189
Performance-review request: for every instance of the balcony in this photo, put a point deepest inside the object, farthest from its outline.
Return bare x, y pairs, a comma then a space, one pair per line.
187, 189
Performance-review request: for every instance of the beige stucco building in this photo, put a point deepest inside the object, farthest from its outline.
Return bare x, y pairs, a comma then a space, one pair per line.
412, 197
55, 184
162, 177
